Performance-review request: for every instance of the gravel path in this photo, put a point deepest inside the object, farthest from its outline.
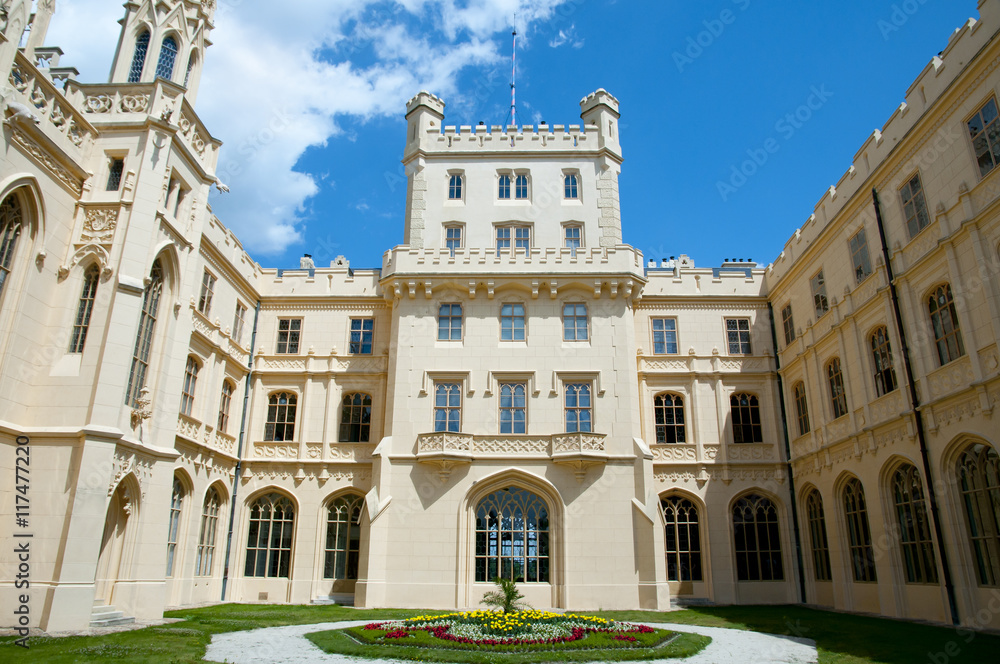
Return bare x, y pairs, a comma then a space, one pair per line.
288, 645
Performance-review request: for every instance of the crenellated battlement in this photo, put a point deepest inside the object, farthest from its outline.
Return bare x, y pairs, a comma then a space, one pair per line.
877, 163
513, 139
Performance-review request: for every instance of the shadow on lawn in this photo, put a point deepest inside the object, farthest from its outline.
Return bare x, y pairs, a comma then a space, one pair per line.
850, 639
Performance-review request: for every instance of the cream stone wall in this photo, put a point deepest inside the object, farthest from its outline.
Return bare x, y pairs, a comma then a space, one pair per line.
103, 471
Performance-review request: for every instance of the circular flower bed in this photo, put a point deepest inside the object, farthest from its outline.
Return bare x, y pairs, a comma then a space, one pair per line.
522, 628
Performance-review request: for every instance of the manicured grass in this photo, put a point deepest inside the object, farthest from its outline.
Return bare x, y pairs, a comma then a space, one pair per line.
423, 647
841, 638
182, 642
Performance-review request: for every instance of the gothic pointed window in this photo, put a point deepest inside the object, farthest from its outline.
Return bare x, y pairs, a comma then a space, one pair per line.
280, 424
914, 526
355, 418
174, 524
859, 534
139, 57
885, 374
669, 412
10, 230
801, 408
269, 537
683, 539
206, 538
190, 68
979, 478
944, 320
343, 538
144, 335
168, 55
745, 409
817, 536
512, 537
758, 539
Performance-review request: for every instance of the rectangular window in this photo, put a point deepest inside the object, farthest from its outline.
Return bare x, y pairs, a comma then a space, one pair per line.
521, 187
818, 285
859, 256
513, 408
512, 322
448, 407
453, 238
521, 236
450, 322
984, 130
238, 321
190, 380
572, 191
738, 335
207, 292
579, 409
362, 333
503, 187
664, 336
575, 322
573, 238
224, 403
503, 238
115, 170
84, 309
289, 331
788, 324
914, 206
455, 187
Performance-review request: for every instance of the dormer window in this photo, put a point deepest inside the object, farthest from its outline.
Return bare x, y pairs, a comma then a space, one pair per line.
168, 55
503, 188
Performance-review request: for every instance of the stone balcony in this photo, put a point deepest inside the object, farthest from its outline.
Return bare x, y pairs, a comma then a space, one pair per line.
447, 451
205, 435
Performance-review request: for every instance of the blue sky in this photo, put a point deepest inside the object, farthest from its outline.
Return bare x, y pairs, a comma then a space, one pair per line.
703, 87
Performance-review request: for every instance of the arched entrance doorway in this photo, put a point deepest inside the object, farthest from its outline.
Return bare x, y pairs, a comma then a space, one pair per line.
115, 547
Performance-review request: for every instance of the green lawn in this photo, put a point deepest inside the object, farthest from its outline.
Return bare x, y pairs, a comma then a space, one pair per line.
842, 639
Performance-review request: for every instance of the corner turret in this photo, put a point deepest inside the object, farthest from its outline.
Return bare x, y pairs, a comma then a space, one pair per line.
424, 113
600, 110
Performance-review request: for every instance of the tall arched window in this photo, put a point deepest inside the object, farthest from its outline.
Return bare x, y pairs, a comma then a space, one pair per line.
745, 410
343, 538
168, 56
669, 412
139, 57
280, 423
859, 534
944, 320
355, 418
174, 524
190, 68
512, 537
225, 401
979, 475
269, 538
758, 539
190, 381
817, 536
144, 336
11, 220
885, 374
914, 526
683, 539
84, 309
838, 396
206, 538
801, 408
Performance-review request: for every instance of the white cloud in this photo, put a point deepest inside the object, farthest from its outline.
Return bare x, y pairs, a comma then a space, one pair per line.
275, 82
567, 36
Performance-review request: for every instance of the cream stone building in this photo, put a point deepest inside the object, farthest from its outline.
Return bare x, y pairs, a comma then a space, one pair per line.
515, 392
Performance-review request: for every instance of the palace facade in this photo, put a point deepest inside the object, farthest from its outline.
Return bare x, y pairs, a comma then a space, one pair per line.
515, 391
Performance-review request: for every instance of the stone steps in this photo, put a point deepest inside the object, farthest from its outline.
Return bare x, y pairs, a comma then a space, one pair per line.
107, 616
